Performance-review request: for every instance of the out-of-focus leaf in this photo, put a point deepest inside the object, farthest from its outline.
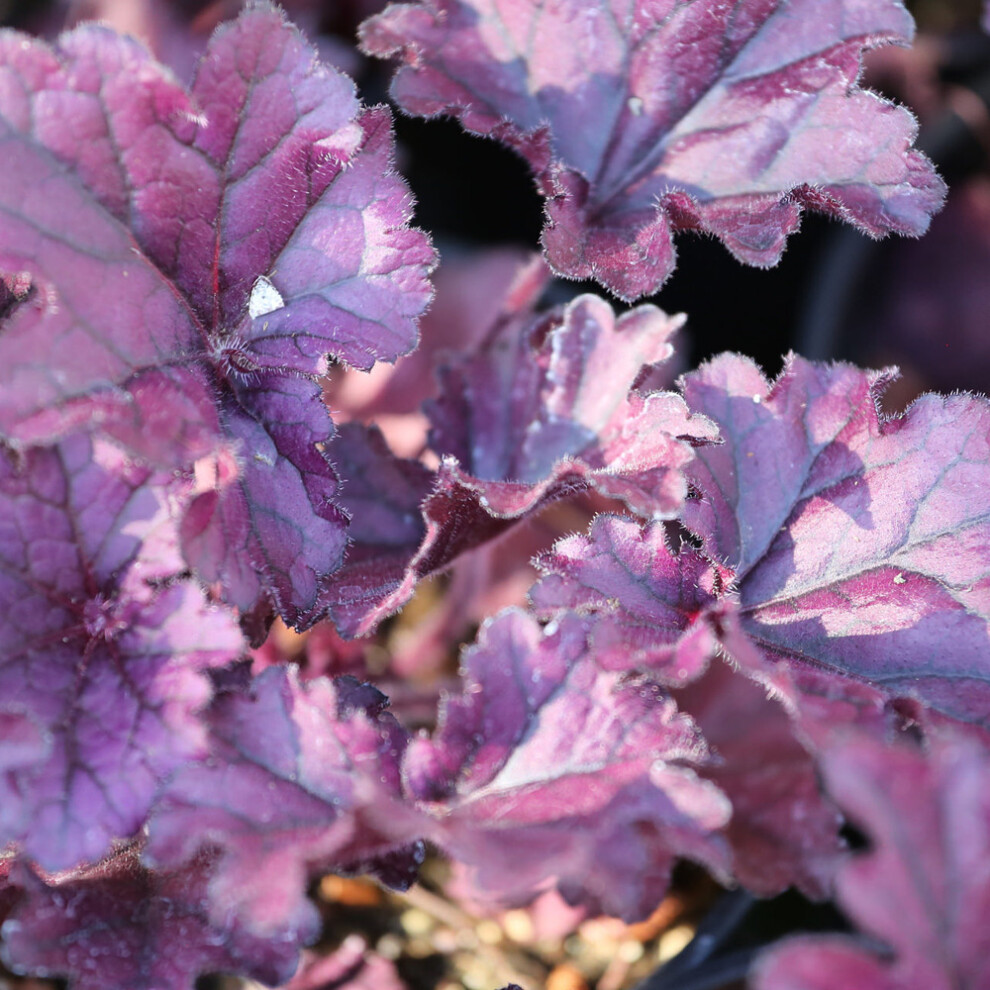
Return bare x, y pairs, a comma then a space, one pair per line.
927, 305
351, 967
924, 886
118, 926
783, 831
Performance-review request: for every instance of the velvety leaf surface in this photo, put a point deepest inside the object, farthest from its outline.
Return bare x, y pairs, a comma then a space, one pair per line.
924, 886
548, 769
118, 926
103, 645
194, 254
859, 544
550, 402
544, 409
653, 606
726, 118
672, 613
275, 531
299, 776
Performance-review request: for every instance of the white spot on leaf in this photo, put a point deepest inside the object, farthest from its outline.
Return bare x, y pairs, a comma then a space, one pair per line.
265, 298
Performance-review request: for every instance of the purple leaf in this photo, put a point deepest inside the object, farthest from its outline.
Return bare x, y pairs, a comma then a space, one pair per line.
383, 494
103, 648
670, 613
860, 544
276, 531
550, 402
548, 769
423, 534
192, 251
299, 778
653, 607
723, 118
118, 926
823, 964
783, 832
924, 887
544, 409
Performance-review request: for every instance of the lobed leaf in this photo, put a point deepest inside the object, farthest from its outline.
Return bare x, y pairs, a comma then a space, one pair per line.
859, 543
299, 777
548, 770
724, 118
850, 546
195, 257
104, 643
544, 409
653, 606
551, 402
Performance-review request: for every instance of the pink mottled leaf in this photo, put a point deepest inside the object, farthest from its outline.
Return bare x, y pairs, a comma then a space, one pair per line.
653, 606
549, 770
300, 777
546, 408
550, 402
194, 257
852, 546
672, 613
725, 118
860, 544
118, 926
924, 886
103, 648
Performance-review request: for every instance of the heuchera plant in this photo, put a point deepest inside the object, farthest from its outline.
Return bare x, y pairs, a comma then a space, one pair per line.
779, 621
